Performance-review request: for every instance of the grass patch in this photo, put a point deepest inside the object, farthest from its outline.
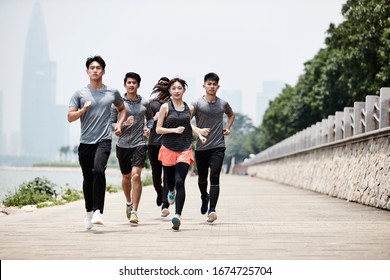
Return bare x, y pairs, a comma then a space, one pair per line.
42, 192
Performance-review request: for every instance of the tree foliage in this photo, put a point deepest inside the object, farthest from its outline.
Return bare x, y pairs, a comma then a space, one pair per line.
354, 64
239, 144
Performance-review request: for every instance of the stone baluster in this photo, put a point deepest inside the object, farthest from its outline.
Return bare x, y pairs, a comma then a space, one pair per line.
348, 122
384, 105
324, 131
372, 113
338, 130
331, 122
358, 117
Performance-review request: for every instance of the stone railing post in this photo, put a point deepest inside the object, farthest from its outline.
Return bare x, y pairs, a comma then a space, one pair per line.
318, 139
348, 122
331, 134
384, 106
372, 113
324, 131
358, 118
338, 130
313, 130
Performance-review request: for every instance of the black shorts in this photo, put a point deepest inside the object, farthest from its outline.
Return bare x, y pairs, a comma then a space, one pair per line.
129, 157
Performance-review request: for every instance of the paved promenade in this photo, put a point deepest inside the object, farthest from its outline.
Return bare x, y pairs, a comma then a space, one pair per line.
257, 219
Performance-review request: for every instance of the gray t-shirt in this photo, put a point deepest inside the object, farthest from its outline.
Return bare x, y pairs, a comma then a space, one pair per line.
95, 122
133, 135
210, 115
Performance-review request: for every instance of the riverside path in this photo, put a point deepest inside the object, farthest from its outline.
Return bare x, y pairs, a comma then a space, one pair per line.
257, 219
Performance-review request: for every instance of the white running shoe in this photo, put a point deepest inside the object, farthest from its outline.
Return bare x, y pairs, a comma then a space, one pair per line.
164, 212
97, 218
171, 197
133, 218
87, 220
129, 208
212, 217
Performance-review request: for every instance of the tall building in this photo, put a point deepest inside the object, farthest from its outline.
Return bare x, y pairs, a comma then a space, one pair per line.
43, 126
271, 89
234, 97
192, 90
3, 142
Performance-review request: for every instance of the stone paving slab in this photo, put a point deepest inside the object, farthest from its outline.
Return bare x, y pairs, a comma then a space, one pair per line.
257, 219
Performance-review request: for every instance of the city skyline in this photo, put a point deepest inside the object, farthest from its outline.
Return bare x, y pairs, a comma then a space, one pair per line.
40, 116
246, 44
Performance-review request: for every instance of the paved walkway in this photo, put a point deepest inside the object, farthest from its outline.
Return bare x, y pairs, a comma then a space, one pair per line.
257, 219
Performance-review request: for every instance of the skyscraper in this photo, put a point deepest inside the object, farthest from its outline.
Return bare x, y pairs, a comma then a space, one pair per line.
3, 142
234, 97
43, 123
271, 89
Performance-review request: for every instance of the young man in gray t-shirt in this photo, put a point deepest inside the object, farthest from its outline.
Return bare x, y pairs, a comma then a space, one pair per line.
92, 105
209, 111
131, 147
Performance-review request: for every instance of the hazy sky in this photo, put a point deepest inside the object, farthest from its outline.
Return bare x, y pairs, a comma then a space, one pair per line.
245, 42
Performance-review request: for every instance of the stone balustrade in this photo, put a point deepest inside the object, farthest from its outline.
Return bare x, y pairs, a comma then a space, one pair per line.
346, 155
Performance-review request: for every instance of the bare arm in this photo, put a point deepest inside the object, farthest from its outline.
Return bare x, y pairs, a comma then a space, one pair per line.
75, 113
121, 118
229, 123
200, 132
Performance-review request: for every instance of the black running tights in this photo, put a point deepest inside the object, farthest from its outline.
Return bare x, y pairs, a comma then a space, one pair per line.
175, 178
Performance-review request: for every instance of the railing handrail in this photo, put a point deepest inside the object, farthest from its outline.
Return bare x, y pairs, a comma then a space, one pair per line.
363, 117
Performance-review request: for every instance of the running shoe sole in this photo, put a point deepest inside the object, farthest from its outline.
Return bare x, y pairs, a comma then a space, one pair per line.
134, 219
165, 212
176, 223
212, 217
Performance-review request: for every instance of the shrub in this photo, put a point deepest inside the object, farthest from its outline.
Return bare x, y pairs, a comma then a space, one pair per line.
70, 194
112, 189
147, 181
33, 192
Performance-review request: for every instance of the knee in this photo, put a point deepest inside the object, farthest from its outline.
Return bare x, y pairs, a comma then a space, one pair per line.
136, 177
98, 171
126, 177
214, 179
179, 182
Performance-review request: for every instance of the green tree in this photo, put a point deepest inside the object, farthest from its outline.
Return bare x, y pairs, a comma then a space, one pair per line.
238, 143
354, 64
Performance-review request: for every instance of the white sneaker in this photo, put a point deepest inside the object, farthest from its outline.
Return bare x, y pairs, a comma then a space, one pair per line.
164, 212
97, 218
133, 218
129, 208
87, 220
171, 197
212, 217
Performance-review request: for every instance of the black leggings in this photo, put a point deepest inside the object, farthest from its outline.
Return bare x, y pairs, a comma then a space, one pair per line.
156, 165
93, 161
175, 178
212, 159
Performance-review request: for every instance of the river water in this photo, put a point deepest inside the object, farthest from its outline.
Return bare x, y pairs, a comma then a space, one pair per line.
12, 177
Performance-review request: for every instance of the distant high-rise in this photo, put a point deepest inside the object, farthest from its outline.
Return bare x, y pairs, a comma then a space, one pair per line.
3, 142
271, 89
234, 97
190, 94
43, 124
